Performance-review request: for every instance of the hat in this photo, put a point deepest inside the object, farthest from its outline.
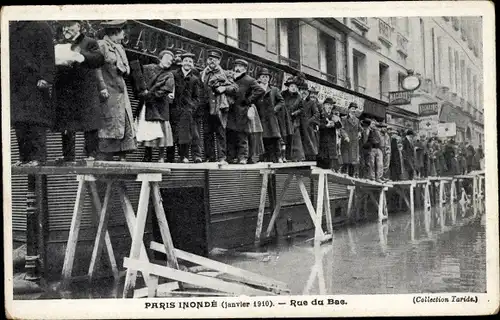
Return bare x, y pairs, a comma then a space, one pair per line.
353, 105
410, 132
187, 55
382, 125
264, 72
365, 122
241, 62
164, 52
313, 90
329, 100
290, 80
179, 51
113, 24
215, 53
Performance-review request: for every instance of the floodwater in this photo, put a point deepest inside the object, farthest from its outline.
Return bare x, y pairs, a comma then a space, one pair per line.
445, 253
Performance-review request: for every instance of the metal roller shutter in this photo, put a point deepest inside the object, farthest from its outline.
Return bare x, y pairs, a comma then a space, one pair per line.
293, 195
337, 191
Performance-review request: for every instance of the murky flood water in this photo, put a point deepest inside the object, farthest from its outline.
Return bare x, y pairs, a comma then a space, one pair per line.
368, 258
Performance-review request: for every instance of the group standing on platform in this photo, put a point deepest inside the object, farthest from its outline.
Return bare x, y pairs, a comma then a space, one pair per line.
79, 86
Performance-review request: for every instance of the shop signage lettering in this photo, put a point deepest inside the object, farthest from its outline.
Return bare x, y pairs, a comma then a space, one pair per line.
151, 41
428, 109
342, 98
399, 98
450, 114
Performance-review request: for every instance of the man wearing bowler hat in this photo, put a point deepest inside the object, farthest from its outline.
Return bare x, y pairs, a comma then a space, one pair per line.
76, 91
268, 105
352, 129
238, 120
216, 82
385, 146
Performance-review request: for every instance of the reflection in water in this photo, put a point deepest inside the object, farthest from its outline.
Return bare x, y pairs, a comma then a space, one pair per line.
369, 258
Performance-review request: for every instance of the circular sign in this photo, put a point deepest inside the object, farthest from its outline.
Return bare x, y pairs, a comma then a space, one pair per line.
411, 83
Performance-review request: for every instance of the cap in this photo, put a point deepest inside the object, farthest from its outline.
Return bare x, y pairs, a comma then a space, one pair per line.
382, 125
241, 62
164, 52
179, 51
187, 55
264, 72
353, 105
113, 24
290, 80
329, 100
365, 122
410, 132
313, 90
215, 54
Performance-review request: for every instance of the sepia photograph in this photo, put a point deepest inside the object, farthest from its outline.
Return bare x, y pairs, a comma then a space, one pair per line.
233, 163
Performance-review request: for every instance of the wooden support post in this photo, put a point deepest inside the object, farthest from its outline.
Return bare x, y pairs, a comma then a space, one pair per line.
107, 240
328, 211
262, 206
427, 207
276, 212
135, 250
101, 231
441, 204
412, 210
475, 195
319, 209
76, 220
350, 201
309, 205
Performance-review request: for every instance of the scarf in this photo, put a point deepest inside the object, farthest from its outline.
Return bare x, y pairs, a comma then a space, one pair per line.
121, 56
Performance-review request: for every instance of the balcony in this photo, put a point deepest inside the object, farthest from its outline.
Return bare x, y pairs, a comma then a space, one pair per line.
402, 44
361, 23
359, 88
289, 62
329, 77
384, 32
456, 23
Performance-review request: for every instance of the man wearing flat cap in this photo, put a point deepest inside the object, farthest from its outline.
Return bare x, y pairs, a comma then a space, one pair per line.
238, 122
186, 112
217, 85
268, 106
352, 128
76, 90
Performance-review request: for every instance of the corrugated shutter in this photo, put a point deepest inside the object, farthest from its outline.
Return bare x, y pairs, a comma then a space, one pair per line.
19, 184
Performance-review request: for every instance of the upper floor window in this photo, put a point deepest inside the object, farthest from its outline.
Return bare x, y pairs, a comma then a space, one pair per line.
235, 32
289, 42
327, 57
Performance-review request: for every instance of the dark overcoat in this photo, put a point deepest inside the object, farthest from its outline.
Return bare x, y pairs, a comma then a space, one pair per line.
269, 105
309, 120
327, 148
284, 117
160, 83
352, 128
419, 154
187, 102
31, 59
76, 89
293, 102
395, 168
408, 154
248, 93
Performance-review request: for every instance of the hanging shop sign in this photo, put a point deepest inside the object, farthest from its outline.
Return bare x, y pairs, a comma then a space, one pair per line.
397, 98
342, 98
447, 129
428, 109
428, 125
451, 114
411, 82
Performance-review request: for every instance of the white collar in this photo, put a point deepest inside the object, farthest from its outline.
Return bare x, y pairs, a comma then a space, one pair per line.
185, 73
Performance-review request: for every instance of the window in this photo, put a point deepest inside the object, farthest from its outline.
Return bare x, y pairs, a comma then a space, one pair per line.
469, 86
433, 38
271, 35
439, 65
383, 81
403, 24
289, 42
474, 87
327, 57
457, 73
422, 39
462, 76
450, 67
235, 32
401, 77
359, 71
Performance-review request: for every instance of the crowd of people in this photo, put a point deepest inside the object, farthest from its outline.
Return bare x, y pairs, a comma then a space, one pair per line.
79, 86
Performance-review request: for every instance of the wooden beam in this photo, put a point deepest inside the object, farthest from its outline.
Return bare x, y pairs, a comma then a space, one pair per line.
194, 279
225, 268
319, 207
350, 200
262, 207
278, 205
125, 169
309, 205
328, 211
412, 211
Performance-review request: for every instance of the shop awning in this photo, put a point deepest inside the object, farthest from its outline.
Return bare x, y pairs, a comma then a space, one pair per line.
374, 109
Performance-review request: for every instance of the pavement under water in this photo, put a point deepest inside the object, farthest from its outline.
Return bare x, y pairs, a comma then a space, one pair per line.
365, 258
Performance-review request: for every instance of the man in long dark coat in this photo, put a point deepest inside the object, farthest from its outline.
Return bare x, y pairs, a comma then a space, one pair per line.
409, 154
215, 84
309, 123
329, 125
268, 105
187, 102
77, 94
352, 128
32, 68
419, 157
249, 91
